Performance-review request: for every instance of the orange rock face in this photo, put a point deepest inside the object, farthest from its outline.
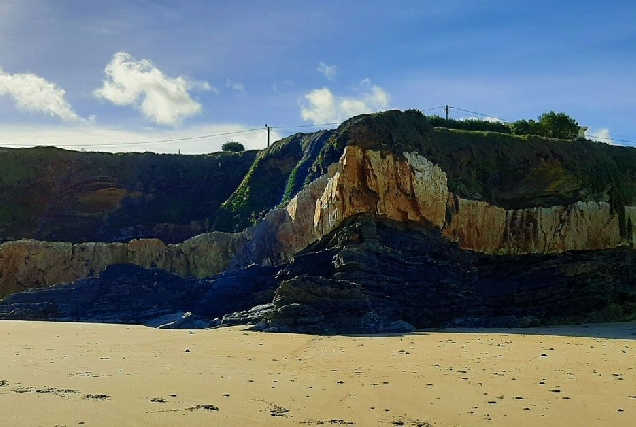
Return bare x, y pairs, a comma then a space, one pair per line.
409, 189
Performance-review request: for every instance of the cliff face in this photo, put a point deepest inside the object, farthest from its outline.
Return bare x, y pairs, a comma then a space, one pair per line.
59, 195
277, 174
28, 264
129, 294
368, 275
406, 188
375, 275
411, 188
580, 226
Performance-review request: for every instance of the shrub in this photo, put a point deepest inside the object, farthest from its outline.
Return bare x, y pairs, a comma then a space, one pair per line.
233, 146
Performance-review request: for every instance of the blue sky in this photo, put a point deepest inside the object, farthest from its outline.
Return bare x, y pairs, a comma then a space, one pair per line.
122, 75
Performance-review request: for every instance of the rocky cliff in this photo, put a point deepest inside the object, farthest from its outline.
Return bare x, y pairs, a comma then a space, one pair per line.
411, 188
406, 188
465, 211
368, 275
130, 294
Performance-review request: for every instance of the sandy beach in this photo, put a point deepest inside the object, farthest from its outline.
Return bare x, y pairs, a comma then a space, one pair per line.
64, 374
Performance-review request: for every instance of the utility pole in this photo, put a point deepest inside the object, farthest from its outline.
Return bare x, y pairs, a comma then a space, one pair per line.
268, 130
446, 110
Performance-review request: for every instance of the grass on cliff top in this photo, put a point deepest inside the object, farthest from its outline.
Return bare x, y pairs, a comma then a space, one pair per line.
523, 171
277, 174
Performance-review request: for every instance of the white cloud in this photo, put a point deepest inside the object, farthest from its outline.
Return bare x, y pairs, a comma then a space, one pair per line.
601, 135
90, 137
33, 94
325, 107
329, 71
160, 98
235, 85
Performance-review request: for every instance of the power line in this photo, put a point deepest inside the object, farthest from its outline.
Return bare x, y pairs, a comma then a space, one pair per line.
479, 114
435, 108
608, 139
189, 138
306, 126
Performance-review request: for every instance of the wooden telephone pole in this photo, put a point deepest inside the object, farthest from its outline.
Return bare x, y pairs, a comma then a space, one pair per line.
268, 130
446, 110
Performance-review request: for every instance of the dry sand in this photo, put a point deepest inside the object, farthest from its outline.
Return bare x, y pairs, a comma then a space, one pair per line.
94, 374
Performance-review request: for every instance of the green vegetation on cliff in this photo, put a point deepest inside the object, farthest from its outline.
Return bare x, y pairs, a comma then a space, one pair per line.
549, 125
507, 170
277, 174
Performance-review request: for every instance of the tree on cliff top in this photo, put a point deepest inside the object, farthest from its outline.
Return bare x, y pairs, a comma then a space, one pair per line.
234, 146
551, 125
558, 125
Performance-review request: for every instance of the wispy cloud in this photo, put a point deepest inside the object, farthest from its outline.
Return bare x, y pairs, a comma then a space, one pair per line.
34, 94
325, 107
329, 71
162, 99
235, 85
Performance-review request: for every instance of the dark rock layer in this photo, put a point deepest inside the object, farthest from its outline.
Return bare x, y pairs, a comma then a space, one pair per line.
130, 294
371, 273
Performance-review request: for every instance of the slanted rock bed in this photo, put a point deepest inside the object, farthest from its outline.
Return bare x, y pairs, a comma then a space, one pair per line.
371, 273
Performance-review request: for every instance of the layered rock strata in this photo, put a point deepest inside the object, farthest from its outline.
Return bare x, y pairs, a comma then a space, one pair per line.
126, 293
405, 188
373, 275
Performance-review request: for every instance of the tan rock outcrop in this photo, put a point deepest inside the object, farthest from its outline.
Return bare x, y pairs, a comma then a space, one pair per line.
31, 264
414, 189
408, 189
481, 227
475, 224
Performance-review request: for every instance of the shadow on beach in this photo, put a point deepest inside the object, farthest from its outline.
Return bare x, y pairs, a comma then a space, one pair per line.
618, 330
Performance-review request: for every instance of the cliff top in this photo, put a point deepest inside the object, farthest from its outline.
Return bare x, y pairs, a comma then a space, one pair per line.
506, 170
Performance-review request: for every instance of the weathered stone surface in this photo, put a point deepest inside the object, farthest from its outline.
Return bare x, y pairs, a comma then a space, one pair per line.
584, 225
61, 195
370, 273
413, 189
126, 293
32, 264
366, 181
